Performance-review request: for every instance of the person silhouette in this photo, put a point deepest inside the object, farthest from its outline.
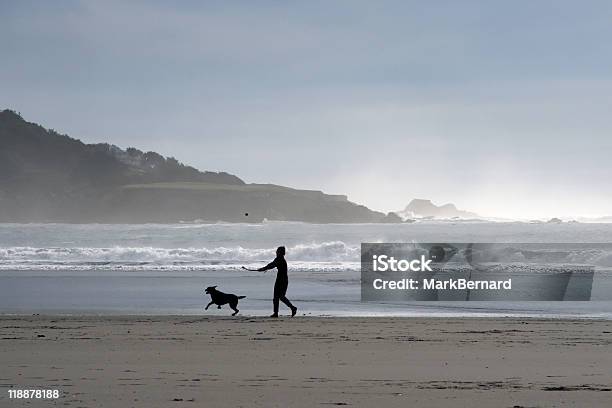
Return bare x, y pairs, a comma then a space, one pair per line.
282, 281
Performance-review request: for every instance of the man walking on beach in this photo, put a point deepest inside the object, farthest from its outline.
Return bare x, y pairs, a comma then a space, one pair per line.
282, 281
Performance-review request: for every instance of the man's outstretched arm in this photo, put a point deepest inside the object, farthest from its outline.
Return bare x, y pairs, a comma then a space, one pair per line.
271, 265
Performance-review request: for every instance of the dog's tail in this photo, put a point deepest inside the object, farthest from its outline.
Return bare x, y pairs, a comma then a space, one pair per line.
241, 297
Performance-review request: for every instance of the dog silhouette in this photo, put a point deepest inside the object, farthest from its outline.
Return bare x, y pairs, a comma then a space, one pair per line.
219, 298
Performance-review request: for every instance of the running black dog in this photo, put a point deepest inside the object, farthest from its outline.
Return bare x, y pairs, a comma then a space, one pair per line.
219, 298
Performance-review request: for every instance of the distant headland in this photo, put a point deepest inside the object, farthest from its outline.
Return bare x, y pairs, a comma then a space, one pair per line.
46, 176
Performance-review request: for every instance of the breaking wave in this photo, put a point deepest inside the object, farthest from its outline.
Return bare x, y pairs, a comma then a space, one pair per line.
314, 256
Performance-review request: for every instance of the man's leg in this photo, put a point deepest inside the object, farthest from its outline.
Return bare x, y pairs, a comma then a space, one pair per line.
279, 290
289, 305
286, 301
275, 303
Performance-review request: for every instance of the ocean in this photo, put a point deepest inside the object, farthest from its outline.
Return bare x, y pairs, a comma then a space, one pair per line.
163, 269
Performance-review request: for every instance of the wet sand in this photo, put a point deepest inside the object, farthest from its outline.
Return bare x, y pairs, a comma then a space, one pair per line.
172, 361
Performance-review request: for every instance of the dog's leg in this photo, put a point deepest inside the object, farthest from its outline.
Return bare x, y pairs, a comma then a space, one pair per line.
207, 306
234, 305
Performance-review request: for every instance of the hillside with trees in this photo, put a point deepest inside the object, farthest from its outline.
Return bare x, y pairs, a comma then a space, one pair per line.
46, 176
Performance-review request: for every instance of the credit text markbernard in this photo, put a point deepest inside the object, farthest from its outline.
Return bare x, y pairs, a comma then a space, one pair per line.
384, 263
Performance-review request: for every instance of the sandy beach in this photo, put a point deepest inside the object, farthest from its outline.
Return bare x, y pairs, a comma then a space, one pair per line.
145, 361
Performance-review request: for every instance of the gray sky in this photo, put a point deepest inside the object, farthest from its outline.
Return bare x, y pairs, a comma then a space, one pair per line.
501, 107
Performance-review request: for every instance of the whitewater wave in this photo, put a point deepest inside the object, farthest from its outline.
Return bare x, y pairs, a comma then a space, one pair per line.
314, 256
324, 267
335, 255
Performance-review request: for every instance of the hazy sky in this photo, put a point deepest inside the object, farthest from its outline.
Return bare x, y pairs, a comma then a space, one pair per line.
502, 107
